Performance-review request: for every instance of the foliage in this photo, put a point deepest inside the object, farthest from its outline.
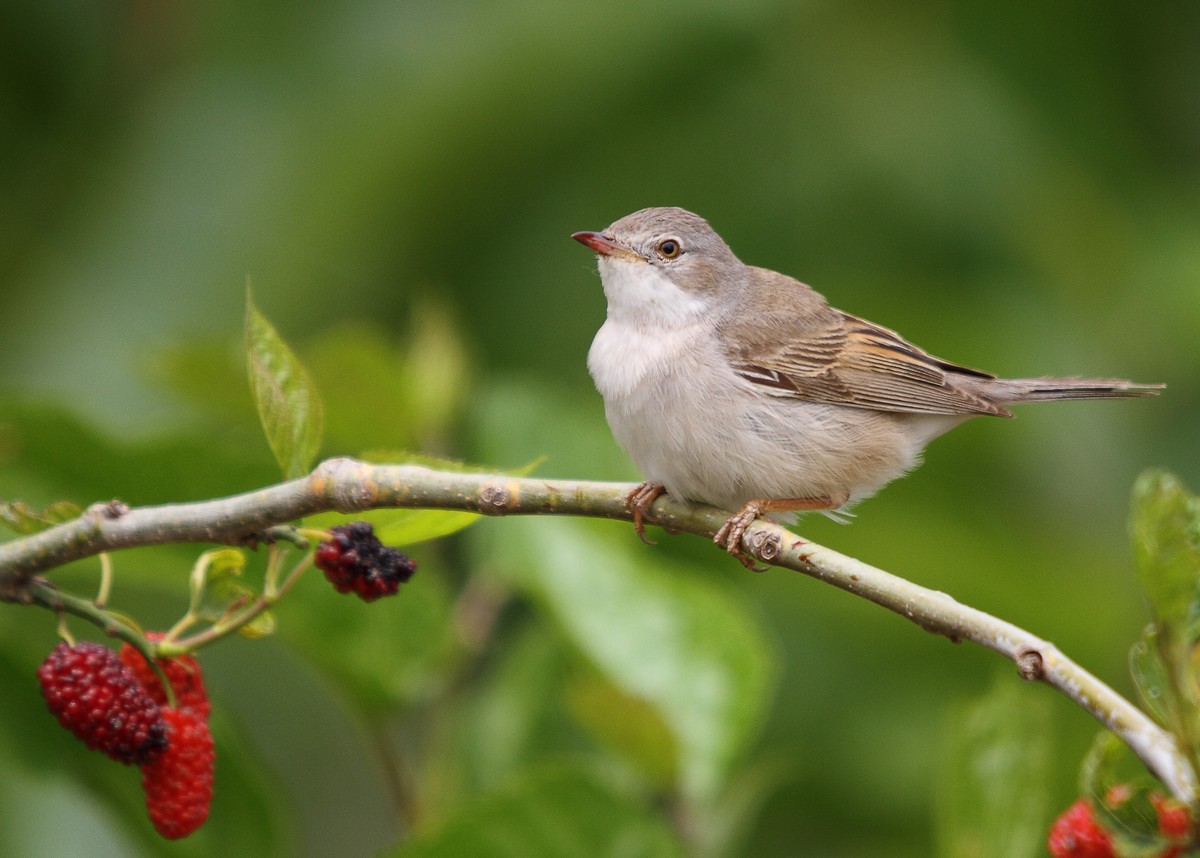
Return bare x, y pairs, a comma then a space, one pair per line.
1013, 188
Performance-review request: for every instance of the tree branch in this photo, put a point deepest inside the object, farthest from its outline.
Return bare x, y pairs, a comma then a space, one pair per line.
347, 485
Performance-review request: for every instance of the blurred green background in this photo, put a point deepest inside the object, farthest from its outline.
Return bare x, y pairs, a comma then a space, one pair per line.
1012, 186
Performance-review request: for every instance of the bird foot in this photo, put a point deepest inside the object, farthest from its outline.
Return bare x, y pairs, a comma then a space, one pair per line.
731, 532
729, 536
638, 502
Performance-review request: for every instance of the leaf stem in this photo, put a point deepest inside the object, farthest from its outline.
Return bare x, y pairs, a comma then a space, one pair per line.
106, 577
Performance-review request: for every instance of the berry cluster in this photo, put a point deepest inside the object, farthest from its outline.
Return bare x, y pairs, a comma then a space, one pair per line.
354, 560
1076, 833
102, 702
115, 703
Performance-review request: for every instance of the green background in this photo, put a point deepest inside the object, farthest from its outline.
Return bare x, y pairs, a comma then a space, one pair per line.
1012, 186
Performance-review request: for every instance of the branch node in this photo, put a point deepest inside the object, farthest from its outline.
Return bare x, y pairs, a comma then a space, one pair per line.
1030, 664
767, 545
497, 499
110, 510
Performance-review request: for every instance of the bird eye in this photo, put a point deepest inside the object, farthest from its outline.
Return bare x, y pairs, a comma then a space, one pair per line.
668, 248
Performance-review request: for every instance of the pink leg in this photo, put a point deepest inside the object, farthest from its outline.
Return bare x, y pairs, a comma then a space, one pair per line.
731, 532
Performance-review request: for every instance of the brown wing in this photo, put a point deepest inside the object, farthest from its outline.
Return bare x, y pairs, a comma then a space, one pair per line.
849, 361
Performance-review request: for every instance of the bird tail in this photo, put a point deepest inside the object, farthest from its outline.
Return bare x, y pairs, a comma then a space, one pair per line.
1018, 390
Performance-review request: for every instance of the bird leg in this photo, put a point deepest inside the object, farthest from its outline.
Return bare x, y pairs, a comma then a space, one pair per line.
730, 535
638, 502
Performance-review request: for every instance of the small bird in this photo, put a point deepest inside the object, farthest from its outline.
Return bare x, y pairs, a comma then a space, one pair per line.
741, 388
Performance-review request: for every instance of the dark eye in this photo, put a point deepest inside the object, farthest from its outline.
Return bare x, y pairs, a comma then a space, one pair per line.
668, 248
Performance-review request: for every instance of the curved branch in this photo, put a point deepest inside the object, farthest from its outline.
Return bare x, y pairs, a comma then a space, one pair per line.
347, 485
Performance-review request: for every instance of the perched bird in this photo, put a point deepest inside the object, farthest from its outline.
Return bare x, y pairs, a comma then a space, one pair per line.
740, 387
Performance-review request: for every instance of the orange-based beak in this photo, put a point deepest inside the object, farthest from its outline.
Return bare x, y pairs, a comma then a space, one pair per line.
597, 241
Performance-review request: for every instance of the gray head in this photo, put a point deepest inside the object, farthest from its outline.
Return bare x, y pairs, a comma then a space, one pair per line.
646, 258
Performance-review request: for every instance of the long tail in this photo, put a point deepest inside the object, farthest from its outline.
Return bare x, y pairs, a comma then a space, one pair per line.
1017, 390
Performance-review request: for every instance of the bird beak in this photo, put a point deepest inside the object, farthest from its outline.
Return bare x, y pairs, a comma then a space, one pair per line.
597, 241
600, 243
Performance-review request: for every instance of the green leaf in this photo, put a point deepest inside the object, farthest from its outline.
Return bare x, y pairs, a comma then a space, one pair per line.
1166, 547
401, 527
288, 403
215, 586
1150, 677
411, 526
992, 790
24, 519
564, 812
215, 583
1165, 526
674, 641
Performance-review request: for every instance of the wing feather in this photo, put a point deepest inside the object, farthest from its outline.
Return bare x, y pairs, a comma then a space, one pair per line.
850, 361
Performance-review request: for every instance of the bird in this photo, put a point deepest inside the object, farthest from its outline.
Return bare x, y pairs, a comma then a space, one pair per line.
742, 388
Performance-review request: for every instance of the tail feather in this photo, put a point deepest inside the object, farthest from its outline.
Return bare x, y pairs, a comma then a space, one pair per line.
1018, 390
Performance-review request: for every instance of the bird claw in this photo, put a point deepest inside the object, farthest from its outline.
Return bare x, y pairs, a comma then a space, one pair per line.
729, 536
638, 502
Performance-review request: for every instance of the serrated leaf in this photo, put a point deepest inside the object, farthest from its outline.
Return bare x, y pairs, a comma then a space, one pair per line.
21, 518
1150, 677
684, 646
564, 812
287, 400
992, 788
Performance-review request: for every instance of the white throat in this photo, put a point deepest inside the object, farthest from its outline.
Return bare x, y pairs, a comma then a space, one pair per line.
640, 295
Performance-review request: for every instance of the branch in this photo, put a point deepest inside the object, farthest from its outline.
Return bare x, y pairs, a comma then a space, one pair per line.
347, 485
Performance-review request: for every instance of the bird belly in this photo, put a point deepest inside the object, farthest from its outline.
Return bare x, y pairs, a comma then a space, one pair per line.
690, 423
